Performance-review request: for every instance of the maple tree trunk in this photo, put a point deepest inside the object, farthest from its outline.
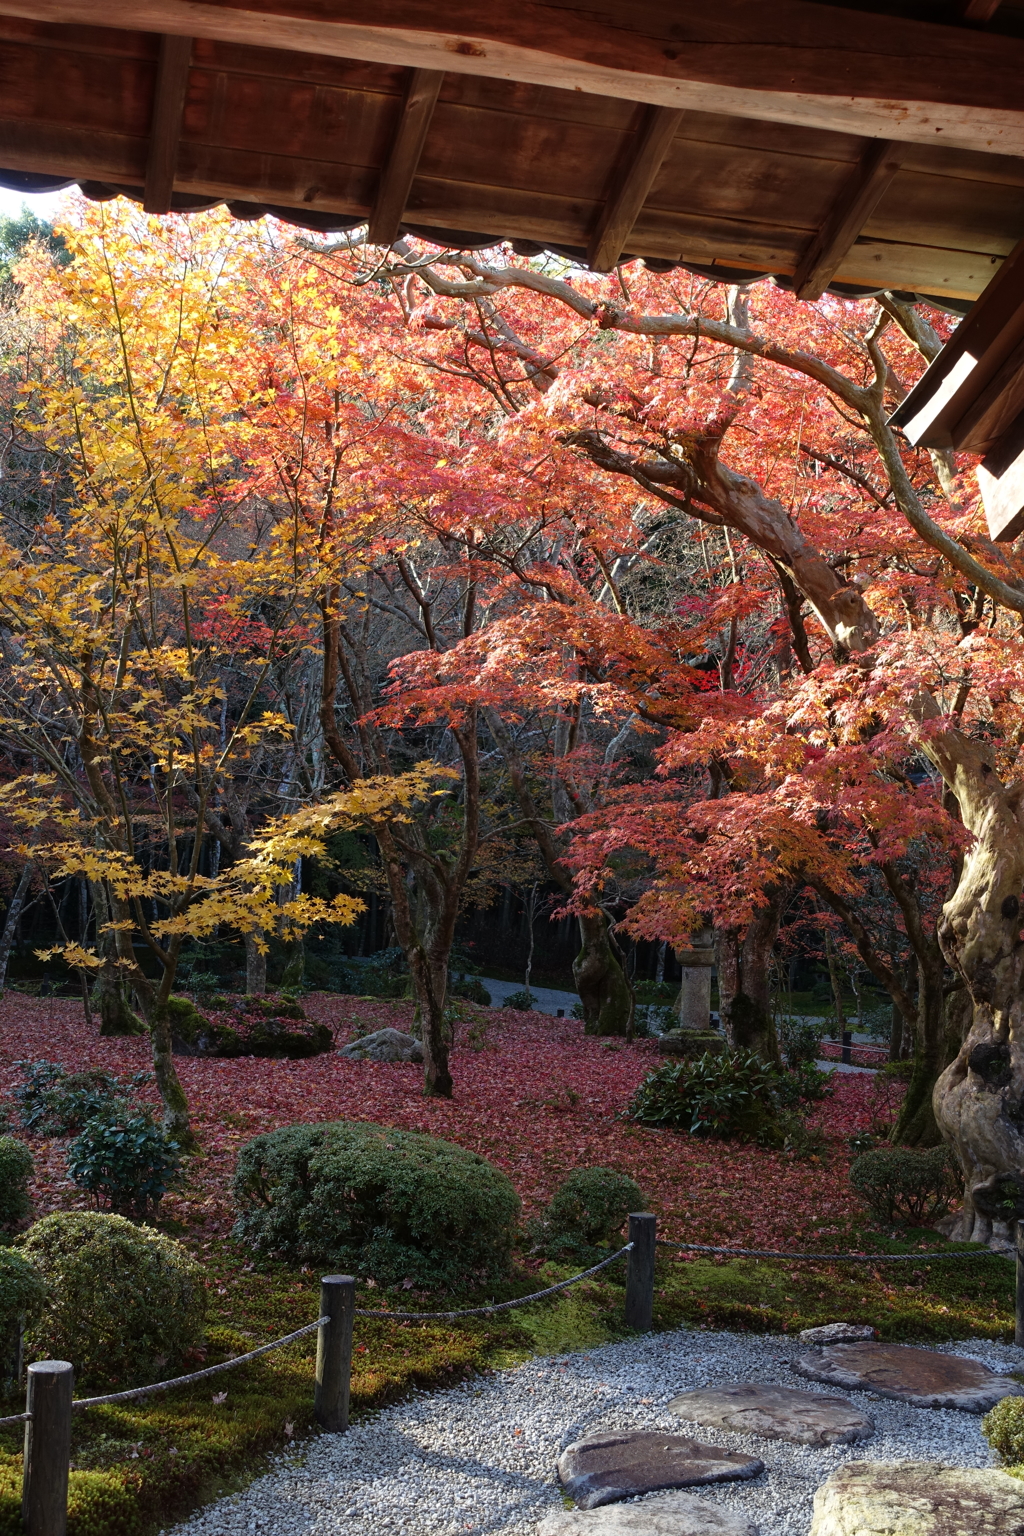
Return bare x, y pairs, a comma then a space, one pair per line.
11, 921
743, 982
430, 983
117, 1017
602, 986
978, 1098
255, 966
916, 1125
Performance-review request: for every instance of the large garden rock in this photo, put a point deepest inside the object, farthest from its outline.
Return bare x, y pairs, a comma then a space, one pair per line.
778, 1413
619, 1464
919, 1376
917, 1498
384, 1045
673, 1514
837, 1333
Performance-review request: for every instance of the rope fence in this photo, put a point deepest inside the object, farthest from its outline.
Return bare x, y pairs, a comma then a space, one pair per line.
50, 1402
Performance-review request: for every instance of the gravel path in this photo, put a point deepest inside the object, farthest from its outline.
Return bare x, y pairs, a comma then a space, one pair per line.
480, 1457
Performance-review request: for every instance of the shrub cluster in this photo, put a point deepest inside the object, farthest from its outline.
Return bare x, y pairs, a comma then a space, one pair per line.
522, 1001
907, 1186
126, 1305
586, 1215
801, 1039
1003, 1428
54, 1102
125, 1161
250, 1026
389, 1204
732, 1093
16, 1168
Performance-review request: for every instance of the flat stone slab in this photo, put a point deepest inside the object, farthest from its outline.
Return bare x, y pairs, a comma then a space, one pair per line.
778, 1413
384, 1045
837, 1333
671, 1514
619, 1464
919, 1376
917, 1498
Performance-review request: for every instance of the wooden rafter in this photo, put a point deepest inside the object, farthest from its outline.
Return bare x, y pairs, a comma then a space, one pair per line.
629, 192
979, 11
793, 61
397, 176
850, 212
165, 132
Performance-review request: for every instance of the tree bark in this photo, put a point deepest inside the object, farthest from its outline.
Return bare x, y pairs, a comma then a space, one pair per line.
109, 997
743, 981
600, 981
255, 966
11, 920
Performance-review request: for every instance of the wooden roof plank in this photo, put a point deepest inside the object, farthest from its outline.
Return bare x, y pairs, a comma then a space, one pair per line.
632, 186
168, 111
397, 176
850, 212
793, 61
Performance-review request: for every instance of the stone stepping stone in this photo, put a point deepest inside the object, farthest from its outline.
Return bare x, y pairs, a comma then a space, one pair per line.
619, 1464
919, 1376
672, 1514
836, 1333
778, 1413
917, 1498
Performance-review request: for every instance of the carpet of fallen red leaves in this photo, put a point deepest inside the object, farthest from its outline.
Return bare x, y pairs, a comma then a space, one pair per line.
539, 1100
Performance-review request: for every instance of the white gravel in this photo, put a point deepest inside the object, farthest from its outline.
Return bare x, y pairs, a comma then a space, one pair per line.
481, 1457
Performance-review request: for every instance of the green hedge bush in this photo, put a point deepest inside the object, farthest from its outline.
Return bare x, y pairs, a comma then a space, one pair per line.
902, 1185
126, 1305
378, 1202
586, 1215
16, 1168
1003, 1428
732, 1093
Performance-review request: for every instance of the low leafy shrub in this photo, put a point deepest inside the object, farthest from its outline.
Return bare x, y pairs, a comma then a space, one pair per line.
733, 1093
471, 988
1003, 1428
586, 1214
252, 1026
125, 1161
16, 1168
126, 1305
801, 1039
374, 1201
907, 1186
54, 1102
522, 1001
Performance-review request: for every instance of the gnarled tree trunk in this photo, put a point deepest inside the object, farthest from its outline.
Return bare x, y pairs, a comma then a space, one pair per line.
600, 981
743, 959
255, 966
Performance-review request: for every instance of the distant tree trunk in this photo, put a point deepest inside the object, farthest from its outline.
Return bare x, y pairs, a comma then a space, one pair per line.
109, 995
744, 980
255, 966
605, 993
659, 968
916, 1125
11, 920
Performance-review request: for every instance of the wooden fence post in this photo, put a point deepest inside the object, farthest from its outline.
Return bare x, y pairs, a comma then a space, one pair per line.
334, 1352
1018, 1331
44, 1488
643, 1231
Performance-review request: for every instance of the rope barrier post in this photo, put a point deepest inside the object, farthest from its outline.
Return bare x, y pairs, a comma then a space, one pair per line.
44, 1489
643, 1233
334, 1352
1018, 1331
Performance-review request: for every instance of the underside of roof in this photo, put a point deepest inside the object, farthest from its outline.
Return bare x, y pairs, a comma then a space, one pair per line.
858, 147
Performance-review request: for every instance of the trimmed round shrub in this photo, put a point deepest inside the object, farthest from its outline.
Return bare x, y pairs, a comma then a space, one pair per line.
907, 1186
16, 1168
22, 1288
125, 1161
125, 1304
389, 1204
1003, 1428
522, 1001
586, 1215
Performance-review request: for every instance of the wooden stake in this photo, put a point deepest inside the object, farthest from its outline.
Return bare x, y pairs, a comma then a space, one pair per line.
1018, 1332
643, 1231
334, 1352
44, 1489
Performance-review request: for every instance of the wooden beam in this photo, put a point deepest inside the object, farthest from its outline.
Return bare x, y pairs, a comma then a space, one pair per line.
792, 61
397, 176
629, 192
165, 131
979, 347
1001, 480
979, 11
850, 212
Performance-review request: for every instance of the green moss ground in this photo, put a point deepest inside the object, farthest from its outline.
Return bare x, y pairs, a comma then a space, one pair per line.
138, 1465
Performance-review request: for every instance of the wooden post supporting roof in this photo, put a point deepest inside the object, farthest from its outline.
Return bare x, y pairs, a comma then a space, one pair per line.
165, 133
397, 176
